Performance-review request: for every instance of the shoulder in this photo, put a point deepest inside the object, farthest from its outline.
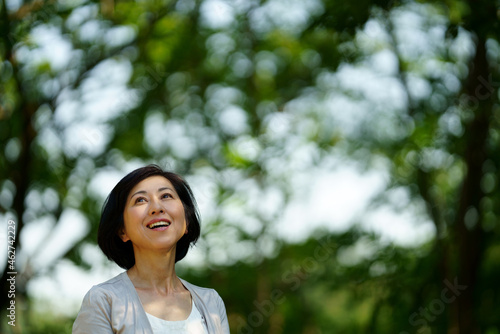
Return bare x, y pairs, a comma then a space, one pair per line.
107, 290
102, 303
210, 297
202, 291
205, 297
119, 281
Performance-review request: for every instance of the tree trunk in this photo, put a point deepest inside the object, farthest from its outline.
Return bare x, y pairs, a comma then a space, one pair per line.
469, 231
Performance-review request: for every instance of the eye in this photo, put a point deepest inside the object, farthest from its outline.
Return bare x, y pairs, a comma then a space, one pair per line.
167, 195
140, 200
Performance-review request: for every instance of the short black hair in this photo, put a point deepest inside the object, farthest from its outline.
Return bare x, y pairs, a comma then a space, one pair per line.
111, 223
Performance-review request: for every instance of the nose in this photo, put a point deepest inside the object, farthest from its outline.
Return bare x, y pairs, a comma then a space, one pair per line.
155, 208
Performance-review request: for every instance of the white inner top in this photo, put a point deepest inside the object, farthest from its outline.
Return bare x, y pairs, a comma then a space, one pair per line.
192, 325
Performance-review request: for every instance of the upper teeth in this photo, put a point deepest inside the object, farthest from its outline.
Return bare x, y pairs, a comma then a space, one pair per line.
160, 223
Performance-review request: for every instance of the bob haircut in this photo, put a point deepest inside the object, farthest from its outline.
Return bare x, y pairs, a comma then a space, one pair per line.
111, 223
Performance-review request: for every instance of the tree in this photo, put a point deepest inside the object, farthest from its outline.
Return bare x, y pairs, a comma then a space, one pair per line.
429, 153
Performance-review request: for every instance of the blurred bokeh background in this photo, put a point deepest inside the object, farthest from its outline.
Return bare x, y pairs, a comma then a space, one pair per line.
344, 155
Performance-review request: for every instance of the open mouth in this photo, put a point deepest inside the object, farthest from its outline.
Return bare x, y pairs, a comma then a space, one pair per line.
158, 224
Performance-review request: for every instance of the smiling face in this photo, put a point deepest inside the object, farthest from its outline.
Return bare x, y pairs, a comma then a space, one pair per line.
154, 217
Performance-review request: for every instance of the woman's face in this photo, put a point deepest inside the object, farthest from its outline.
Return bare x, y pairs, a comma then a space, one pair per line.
154, 216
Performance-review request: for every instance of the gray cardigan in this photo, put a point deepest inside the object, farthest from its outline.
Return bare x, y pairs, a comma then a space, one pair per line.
114, 307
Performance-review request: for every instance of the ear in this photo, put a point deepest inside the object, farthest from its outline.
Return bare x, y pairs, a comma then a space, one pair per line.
123, 235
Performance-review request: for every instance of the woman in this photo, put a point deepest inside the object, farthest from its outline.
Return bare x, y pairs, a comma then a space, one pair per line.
147, 224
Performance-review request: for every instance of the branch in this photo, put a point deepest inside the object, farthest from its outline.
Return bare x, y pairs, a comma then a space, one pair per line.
401, 76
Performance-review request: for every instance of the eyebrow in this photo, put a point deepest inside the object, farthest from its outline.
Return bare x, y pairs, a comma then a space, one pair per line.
144, 192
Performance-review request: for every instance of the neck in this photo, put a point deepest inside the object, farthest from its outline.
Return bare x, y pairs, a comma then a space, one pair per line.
155, 271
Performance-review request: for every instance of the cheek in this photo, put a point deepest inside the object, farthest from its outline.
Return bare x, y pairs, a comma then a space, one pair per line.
182, 213
130, 216
179, 210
